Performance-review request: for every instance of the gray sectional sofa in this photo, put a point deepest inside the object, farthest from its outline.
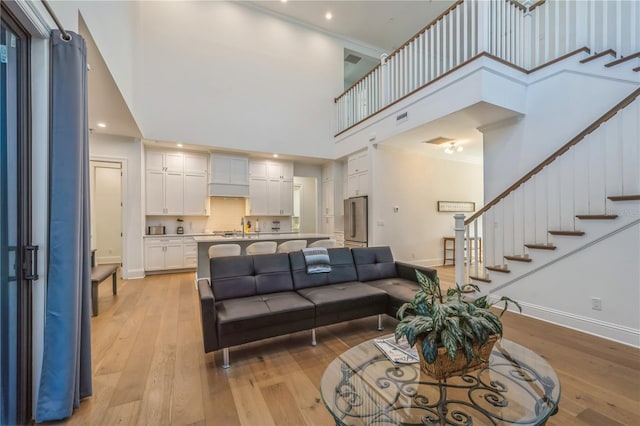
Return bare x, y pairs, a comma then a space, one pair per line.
249, 298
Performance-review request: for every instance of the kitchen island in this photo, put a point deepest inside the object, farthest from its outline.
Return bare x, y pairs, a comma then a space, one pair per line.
205, 241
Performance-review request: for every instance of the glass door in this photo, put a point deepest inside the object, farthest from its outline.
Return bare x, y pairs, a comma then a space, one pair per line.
16, 267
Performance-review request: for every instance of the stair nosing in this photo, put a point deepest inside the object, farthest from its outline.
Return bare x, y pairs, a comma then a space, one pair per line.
598, 55
497, 269
484, 280
540, 246
518, 258
623, 59
567, 233
624, 197
597, 216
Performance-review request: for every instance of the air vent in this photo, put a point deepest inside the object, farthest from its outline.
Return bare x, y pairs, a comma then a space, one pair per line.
402, 116
353, 59
439, 140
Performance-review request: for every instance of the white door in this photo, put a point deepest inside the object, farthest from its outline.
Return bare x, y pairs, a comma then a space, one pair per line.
107, 212
174, 162
258, 198
173, 256
155, 192
274, 195
286, 197
153, 257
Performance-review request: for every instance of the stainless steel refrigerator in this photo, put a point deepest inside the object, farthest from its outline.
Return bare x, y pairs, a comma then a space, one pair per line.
355, 222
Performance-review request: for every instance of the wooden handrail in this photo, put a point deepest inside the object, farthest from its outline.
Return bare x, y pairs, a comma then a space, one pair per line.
536, 5
613, 111
517, 4
425, 29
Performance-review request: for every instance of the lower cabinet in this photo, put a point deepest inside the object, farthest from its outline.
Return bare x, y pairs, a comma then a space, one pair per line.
169, 253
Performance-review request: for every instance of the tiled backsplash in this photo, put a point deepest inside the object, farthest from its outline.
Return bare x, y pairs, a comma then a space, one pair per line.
225, 215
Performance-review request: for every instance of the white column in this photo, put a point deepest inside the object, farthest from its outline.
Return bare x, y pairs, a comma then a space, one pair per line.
459, 244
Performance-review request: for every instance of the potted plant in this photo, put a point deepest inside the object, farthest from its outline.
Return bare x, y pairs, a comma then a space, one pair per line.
453, 334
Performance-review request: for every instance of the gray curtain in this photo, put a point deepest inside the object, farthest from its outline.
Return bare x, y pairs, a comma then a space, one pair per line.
66, 369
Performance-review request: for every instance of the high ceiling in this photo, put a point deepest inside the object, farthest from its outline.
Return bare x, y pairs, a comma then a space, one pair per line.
385, 25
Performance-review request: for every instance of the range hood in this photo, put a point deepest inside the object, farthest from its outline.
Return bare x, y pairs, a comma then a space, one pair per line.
228, 190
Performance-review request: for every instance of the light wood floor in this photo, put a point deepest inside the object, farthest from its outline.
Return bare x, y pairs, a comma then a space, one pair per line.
150, 368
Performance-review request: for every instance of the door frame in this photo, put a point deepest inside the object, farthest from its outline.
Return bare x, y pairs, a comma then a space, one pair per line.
24, 343
124, 211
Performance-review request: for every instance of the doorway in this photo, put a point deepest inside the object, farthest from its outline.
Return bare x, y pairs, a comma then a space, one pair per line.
305, 202
106, 211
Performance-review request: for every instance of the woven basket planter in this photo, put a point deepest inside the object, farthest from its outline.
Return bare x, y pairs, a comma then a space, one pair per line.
444, 367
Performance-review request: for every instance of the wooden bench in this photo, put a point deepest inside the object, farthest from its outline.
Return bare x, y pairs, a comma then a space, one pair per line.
99, 274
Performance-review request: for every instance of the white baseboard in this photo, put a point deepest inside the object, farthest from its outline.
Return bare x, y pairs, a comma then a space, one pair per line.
133, 274
606, 330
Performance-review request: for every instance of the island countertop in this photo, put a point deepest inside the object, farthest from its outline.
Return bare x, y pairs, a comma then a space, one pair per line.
259, 237
205, 241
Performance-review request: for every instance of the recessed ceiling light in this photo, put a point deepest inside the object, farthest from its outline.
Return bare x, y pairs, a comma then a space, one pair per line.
275, 155
103, 125
328, 16
179, 145
283, 1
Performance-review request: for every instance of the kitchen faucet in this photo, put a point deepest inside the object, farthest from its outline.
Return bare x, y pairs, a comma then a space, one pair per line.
242, 225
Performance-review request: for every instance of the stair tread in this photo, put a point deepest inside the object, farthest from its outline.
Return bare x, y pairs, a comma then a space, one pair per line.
568, 233
483, 279
624, 197
623, 59
518, 258
599, 55
499, 268
596, 216
540, 246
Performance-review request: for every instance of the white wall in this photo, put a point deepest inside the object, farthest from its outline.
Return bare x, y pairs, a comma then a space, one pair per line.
415, 183
225, 75
113, 26
558, 108
117, 148
609, 270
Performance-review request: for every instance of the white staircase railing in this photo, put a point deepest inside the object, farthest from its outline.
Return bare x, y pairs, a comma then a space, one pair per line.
575, 183
523, 35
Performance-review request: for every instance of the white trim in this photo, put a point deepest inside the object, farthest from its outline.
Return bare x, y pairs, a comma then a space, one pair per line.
618, 333
124, 194
33, 16
135, 274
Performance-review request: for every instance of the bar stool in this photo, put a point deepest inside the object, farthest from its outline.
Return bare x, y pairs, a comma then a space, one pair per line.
324, 243
261, 247
220, 250
293, 245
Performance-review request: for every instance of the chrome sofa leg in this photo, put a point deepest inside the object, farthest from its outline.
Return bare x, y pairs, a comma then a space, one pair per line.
380, 327
225, 358
313, 337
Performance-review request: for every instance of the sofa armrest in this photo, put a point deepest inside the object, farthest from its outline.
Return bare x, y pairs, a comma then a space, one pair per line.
208, 315
408, 271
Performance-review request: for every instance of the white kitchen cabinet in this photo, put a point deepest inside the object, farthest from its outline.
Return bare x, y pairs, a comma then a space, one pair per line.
270, 189
155, 192
190, 251
195, 195
229, 176
167, 183
358, 184
328, 201
195, 164
358, 174
163, 253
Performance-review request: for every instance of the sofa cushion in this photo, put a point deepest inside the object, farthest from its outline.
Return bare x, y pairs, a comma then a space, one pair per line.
232, 276
374, 263
342, 269
349, 300
399, 290
257, 317
272, 272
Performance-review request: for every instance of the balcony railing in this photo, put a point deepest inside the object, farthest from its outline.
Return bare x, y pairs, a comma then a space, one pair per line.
525, 36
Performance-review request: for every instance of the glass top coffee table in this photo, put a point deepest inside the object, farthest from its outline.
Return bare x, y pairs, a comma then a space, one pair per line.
362, 387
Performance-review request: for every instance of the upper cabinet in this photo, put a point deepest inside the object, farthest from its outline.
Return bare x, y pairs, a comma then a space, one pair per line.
176, 183
358, 174
229, 176
270, 188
